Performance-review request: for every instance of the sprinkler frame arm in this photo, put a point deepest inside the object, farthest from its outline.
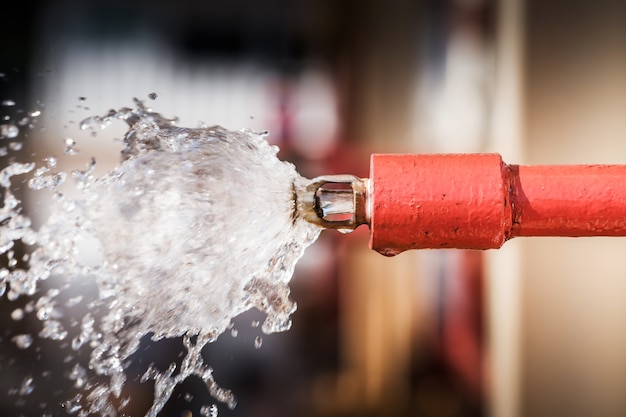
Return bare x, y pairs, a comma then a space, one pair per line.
314, 199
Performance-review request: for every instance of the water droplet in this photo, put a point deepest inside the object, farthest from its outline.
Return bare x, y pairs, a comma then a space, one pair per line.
51, 161
73, 405
27, 386
255, 323
77, 342
23, 341
53, 329
36, 113
74, 300
234, 332
17, 314
8, 103
258, 342
208, 411
83, 175
153, 96
8, 131
78, 375
50, 182
11, 259
69, 147
15, 146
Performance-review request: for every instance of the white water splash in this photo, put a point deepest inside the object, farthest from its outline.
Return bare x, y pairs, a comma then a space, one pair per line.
193, 227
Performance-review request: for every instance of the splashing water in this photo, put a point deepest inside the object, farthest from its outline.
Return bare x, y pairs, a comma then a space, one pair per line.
192, 228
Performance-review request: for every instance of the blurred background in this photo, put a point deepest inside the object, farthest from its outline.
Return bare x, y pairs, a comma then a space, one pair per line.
536, 328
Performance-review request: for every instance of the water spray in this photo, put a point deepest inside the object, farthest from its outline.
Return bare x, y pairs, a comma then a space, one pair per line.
467, 201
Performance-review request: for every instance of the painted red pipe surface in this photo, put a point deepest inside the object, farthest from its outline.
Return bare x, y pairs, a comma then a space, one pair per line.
476, 201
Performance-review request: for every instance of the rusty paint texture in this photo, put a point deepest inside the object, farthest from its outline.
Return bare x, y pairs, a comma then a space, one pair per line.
476, 201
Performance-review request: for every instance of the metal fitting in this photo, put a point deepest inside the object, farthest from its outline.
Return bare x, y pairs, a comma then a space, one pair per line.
341, 207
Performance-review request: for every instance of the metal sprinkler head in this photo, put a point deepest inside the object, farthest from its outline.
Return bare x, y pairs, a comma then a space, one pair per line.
334, 202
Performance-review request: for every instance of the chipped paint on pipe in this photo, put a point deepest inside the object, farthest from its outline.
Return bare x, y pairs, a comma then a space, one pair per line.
476, 201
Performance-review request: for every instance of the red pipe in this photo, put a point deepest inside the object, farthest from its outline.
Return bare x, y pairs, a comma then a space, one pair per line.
476, 201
